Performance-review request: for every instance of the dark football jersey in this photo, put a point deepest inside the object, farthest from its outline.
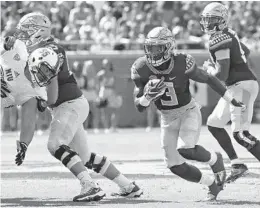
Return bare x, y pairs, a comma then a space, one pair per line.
68, 88
177, 93
239, 69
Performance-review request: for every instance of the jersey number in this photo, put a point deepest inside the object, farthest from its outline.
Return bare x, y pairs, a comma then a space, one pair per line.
4, 89
170, 93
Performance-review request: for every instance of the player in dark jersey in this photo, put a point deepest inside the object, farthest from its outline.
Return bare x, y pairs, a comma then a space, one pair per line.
67, 140
180, 114
229, 57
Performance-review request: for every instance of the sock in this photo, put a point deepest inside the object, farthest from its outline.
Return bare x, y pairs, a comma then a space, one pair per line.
213, 158
85, 177
206, 180
109, 170
121, 180
236, 161
224, 141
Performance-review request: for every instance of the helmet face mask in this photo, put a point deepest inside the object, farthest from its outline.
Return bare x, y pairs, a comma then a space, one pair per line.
44, 65
155, 53
158, 46
210, 24
214, 18
43, 73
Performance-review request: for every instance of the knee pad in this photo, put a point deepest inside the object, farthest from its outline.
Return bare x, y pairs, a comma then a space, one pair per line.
187, 172
188, 154
213, 129
197, 153
245, 139
97, 163
67, 156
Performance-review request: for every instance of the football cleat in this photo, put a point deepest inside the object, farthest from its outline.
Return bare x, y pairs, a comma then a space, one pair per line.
130, 191
214, 190
219, 170
89, 193
237, 171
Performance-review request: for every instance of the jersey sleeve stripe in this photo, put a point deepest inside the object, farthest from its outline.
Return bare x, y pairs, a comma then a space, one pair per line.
212, 47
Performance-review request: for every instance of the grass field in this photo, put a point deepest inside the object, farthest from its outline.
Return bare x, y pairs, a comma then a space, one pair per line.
43, 182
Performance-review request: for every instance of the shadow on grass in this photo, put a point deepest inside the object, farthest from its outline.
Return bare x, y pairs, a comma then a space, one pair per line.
54, 202
236, 202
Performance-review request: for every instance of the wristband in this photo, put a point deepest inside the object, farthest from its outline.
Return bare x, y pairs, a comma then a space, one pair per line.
144, 101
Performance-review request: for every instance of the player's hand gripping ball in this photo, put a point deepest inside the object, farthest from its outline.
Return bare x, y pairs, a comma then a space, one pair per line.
209, 67
154, 89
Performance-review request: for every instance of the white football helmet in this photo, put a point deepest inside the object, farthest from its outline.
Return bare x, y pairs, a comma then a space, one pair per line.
44, 64
159, 45
33, 28
214, 18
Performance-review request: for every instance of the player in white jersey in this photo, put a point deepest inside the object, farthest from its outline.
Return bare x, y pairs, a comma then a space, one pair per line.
17, 88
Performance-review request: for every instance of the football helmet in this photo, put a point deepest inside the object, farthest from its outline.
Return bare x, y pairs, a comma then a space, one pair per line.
214, 18
44, 64
33, 28
159, 45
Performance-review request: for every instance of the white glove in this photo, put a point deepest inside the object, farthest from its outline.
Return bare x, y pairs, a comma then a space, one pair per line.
209, 67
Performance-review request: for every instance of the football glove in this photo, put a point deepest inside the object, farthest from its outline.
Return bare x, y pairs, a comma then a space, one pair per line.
238, 104
21, 151
9, 42
41, 104
154, 91
209, 67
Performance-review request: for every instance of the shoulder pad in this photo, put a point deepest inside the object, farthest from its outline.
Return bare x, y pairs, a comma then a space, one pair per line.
220, 41
139, 63
137, 66
190, 62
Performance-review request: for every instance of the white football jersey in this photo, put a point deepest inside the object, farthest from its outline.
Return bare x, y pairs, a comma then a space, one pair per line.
16, 89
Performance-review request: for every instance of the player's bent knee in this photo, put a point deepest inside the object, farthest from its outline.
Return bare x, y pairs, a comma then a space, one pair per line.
67, 156
245, 141
98, 163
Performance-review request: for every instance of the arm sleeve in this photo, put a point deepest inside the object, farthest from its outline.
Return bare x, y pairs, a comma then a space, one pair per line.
138, 88
201, 76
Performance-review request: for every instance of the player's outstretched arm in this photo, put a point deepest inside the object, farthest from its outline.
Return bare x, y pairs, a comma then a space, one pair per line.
28, 122
202, 76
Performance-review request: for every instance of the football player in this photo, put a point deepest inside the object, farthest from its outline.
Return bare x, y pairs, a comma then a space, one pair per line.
229, 62
17, 88
67, 140
180, 114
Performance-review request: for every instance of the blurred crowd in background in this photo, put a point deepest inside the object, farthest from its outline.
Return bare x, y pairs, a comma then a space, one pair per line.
101, 25
108, 25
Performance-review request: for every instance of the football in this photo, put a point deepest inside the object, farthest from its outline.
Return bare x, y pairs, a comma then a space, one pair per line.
151, 83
